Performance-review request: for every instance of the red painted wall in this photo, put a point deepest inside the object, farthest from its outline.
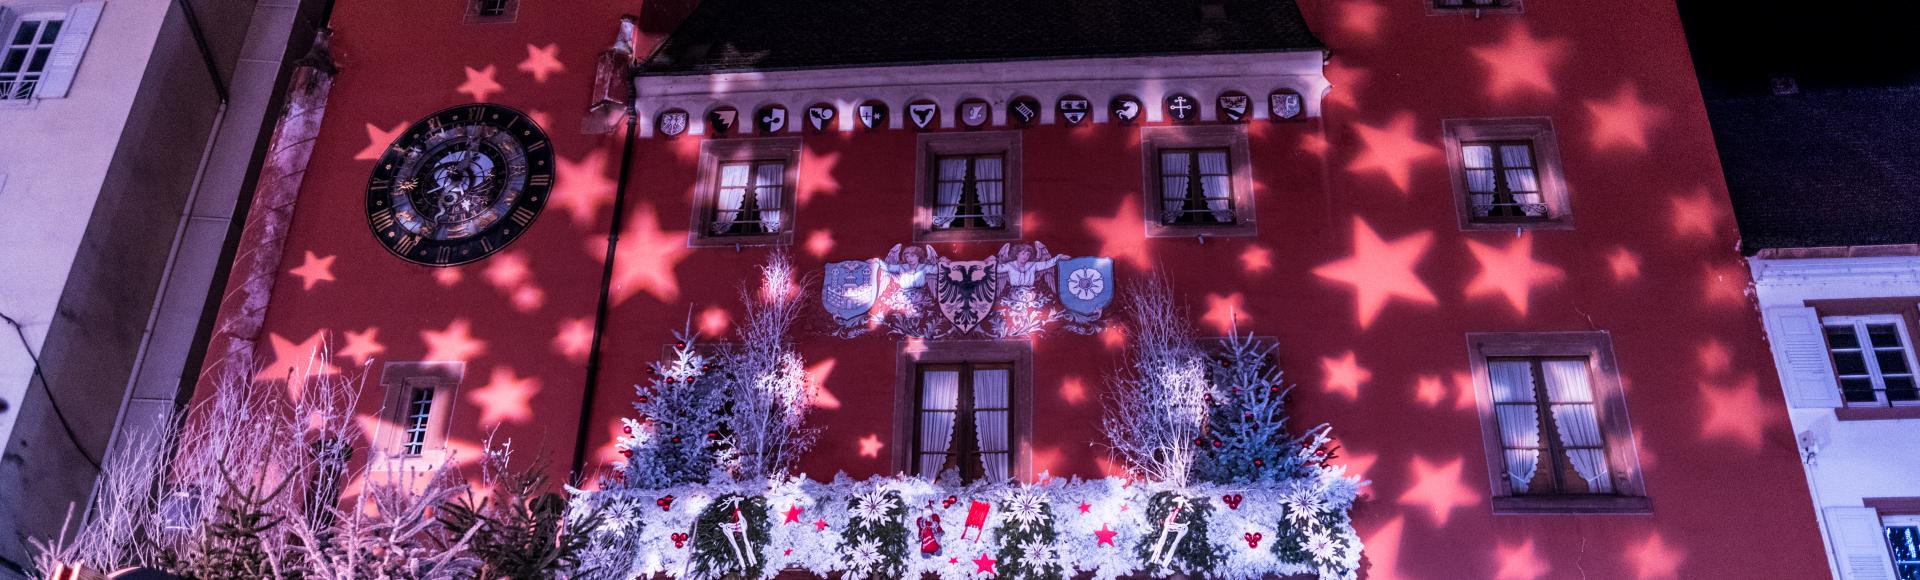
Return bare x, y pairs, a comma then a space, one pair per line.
1652, 261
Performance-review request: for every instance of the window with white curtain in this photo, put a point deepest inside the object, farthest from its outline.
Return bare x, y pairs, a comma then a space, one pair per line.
748, 197
1503, 182
1196, 187
1549, 426
1872, 359
1197, 180
1506, 173
745, 192
969, 191
963, 417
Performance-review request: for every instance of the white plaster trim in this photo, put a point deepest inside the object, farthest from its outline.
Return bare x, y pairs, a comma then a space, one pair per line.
1099, 80
1822, 271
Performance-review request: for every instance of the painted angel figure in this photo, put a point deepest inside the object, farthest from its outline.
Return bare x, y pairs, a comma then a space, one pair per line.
1019, 265
910, 269
1022, 308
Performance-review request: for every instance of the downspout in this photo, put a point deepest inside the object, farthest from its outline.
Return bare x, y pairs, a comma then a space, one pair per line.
606, 280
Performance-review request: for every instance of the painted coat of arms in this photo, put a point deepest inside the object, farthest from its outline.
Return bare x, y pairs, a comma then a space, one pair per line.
1021, 290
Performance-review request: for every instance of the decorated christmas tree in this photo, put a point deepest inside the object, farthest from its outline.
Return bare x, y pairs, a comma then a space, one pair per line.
1247, 439
675, 436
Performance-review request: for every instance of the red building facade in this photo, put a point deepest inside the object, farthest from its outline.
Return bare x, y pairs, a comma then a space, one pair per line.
1464, 196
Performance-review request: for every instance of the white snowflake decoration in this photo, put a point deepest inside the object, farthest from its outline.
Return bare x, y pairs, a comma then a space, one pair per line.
1026, 507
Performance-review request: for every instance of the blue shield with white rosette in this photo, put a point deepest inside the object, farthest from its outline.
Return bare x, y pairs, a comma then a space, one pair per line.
851, 288
1086, 284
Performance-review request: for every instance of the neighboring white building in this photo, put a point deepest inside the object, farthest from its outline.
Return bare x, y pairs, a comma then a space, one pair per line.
129, 131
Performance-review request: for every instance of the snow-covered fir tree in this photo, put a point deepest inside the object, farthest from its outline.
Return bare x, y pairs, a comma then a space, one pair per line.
674, 436
1247, 437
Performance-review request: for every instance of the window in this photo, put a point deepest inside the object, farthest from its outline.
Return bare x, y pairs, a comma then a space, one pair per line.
962, 421
492, 10
1475, 7
1554, 423
745, 194
25, 60
964, 405
418, 409
1506, 174
1198, 181
969, 187
1903, 544
1872, 360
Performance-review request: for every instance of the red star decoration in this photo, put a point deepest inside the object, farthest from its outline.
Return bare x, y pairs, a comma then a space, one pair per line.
1653, 559
1380, 270
953, 560
819, 243
985, 564
507, 270
542, 61
1429, 390
870, 446
1735, 413
647, 257
819, 525
1224, 313
1624, 121
480, 83
314, 270
1392, 149
1520, 562
574, 339
1345, 375
1439, 488
504, 398
1522, 63
1256, 259
377, 141
1085, 507
301, 360
1123, 236
816, 176
1104, 536
1695, 216
455, 343
1511, 273
582, 187
793, 514
1624, 263
362, 346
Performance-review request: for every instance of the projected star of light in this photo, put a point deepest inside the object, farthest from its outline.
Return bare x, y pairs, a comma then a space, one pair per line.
542, 62
1624, 121
714, 321
1381, 271
1314, 144
507, 270
528, 298
1725, 285
1519, 562
1438, 488
1734, 413
455, 343
582, 187
1344, 375
314, 270
647, 257
1123, 236
1361, 19
1346, 80
1357, 463
1714, 357
298, 360
1225, 313
1522, 63
1383, 549
1392, 149
1113, 337
1429, 390
1256, 259
575, 339
1073, 391
1624, 264
817, 374
446, 277
870, 445
1653, 559
362, 345
1696, 215
504, 398
377, 141
819, 243
816, 177
1511, 272
480, 83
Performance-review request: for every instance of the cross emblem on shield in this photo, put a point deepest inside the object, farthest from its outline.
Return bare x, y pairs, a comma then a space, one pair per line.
1180, 108
873, 114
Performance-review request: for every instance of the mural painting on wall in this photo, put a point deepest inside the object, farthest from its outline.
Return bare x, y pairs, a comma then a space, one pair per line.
1019, 291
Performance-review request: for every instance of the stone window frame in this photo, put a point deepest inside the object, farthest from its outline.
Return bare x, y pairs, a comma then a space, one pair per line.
1434, 8
715, 152
931, 145
913, 353
1907, 309
397, 379
510, 11
1547, 167
1233, 137
1623, 458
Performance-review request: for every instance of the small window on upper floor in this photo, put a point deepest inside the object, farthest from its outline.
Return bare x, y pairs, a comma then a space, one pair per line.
1872, 359
1475, 7
40, 50
1554, 422
969, 187
745, 194
492, 10
1506, 174
1198, 181
418, 409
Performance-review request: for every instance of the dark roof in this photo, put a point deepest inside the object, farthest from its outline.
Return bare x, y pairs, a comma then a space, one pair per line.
728, 35
1822, 168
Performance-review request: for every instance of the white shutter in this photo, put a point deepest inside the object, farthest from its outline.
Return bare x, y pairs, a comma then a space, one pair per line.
1800, 352
64, 61
1859, 543
6, 26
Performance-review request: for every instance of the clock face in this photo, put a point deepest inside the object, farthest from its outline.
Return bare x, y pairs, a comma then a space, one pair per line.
459, 185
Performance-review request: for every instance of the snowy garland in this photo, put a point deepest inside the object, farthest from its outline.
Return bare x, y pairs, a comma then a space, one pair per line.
905, 527
730, 536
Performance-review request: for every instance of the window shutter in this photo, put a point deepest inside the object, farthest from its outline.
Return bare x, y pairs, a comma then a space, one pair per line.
1800, 352
1859, 543
6, 26
64, 60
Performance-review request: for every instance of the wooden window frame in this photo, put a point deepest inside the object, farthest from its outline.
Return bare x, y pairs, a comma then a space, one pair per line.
934, 145
965, 415
1436, 8
1908, 309
1610, 406
915, 354
509, 13
399, 380
1546, 163
716, 152
1233, 138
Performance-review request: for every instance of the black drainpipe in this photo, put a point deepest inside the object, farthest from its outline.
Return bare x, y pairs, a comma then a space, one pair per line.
606, 285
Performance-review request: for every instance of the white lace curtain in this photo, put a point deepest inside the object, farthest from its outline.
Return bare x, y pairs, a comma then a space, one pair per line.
768, 184
991, 187
946, 196
1216, 183
733, 192
939, 399
1519, 419
990, 392
1521, 157
1571, 390
1174, 171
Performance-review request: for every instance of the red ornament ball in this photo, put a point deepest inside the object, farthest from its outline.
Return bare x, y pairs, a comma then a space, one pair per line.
1259, 463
